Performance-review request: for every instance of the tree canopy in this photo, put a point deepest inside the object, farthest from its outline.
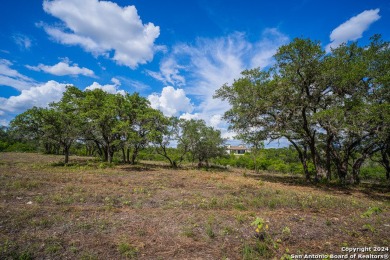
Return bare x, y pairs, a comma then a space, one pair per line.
332, 107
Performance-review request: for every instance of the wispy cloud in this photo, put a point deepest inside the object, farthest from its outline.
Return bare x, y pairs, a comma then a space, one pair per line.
121, 32
24, 42
201, 68
134, 85
169, 72
353, 29
12, 78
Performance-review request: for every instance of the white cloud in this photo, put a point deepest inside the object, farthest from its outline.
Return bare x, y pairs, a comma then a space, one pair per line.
209, 63
189, 116
103, 27
215, 120
23, 41
109, 88
171, 101
271, 40
63, 68
353, 29
169, 73
134, 84
39, 96
12, 78
4, 122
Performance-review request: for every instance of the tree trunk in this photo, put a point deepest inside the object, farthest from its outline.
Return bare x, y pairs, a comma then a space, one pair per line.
134, 155
174, 165
302, 157
328, 158
66, 152
386, 162
343, 171
123, 155
128, 155
108, 152
200, 164
356, 169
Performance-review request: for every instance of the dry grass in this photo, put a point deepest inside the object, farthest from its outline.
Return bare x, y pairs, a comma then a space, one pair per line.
89, 211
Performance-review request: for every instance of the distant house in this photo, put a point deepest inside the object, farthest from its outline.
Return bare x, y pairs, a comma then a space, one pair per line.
237, 150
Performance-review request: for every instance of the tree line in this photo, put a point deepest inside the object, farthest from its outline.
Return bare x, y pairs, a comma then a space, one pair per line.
332, 107
113, 123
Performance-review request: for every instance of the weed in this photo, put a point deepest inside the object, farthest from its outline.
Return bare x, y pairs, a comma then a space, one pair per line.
53, 248
260, 225
259, 250
25, 255
25, 184
60, 199
227, 231
240, 218
240, 206
105, 165
369, 227
370, 211
209, 227
88, 256
272, 203
286, 256
39, 199
189, 231
209, 231
286, 232
127, 250
42, 223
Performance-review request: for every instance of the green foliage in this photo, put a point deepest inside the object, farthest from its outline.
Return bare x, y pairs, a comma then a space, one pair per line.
127, 250
21, 147
281, 160
259, 224
333, 108
371, 211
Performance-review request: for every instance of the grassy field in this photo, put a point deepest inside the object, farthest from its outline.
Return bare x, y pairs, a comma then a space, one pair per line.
87, 210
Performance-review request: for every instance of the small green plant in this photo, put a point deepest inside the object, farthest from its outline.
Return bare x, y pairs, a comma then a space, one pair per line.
189, 232
88, 256
240, 206
259, 250
227, 231
240, 218
286, 257
260, 225
209, 231
25, 255
286, 232
209, 227
370, 211
369, 227
127, 250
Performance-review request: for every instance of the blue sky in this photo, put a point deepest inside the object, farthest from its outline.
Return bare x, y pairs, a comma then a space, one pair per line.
175, 53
